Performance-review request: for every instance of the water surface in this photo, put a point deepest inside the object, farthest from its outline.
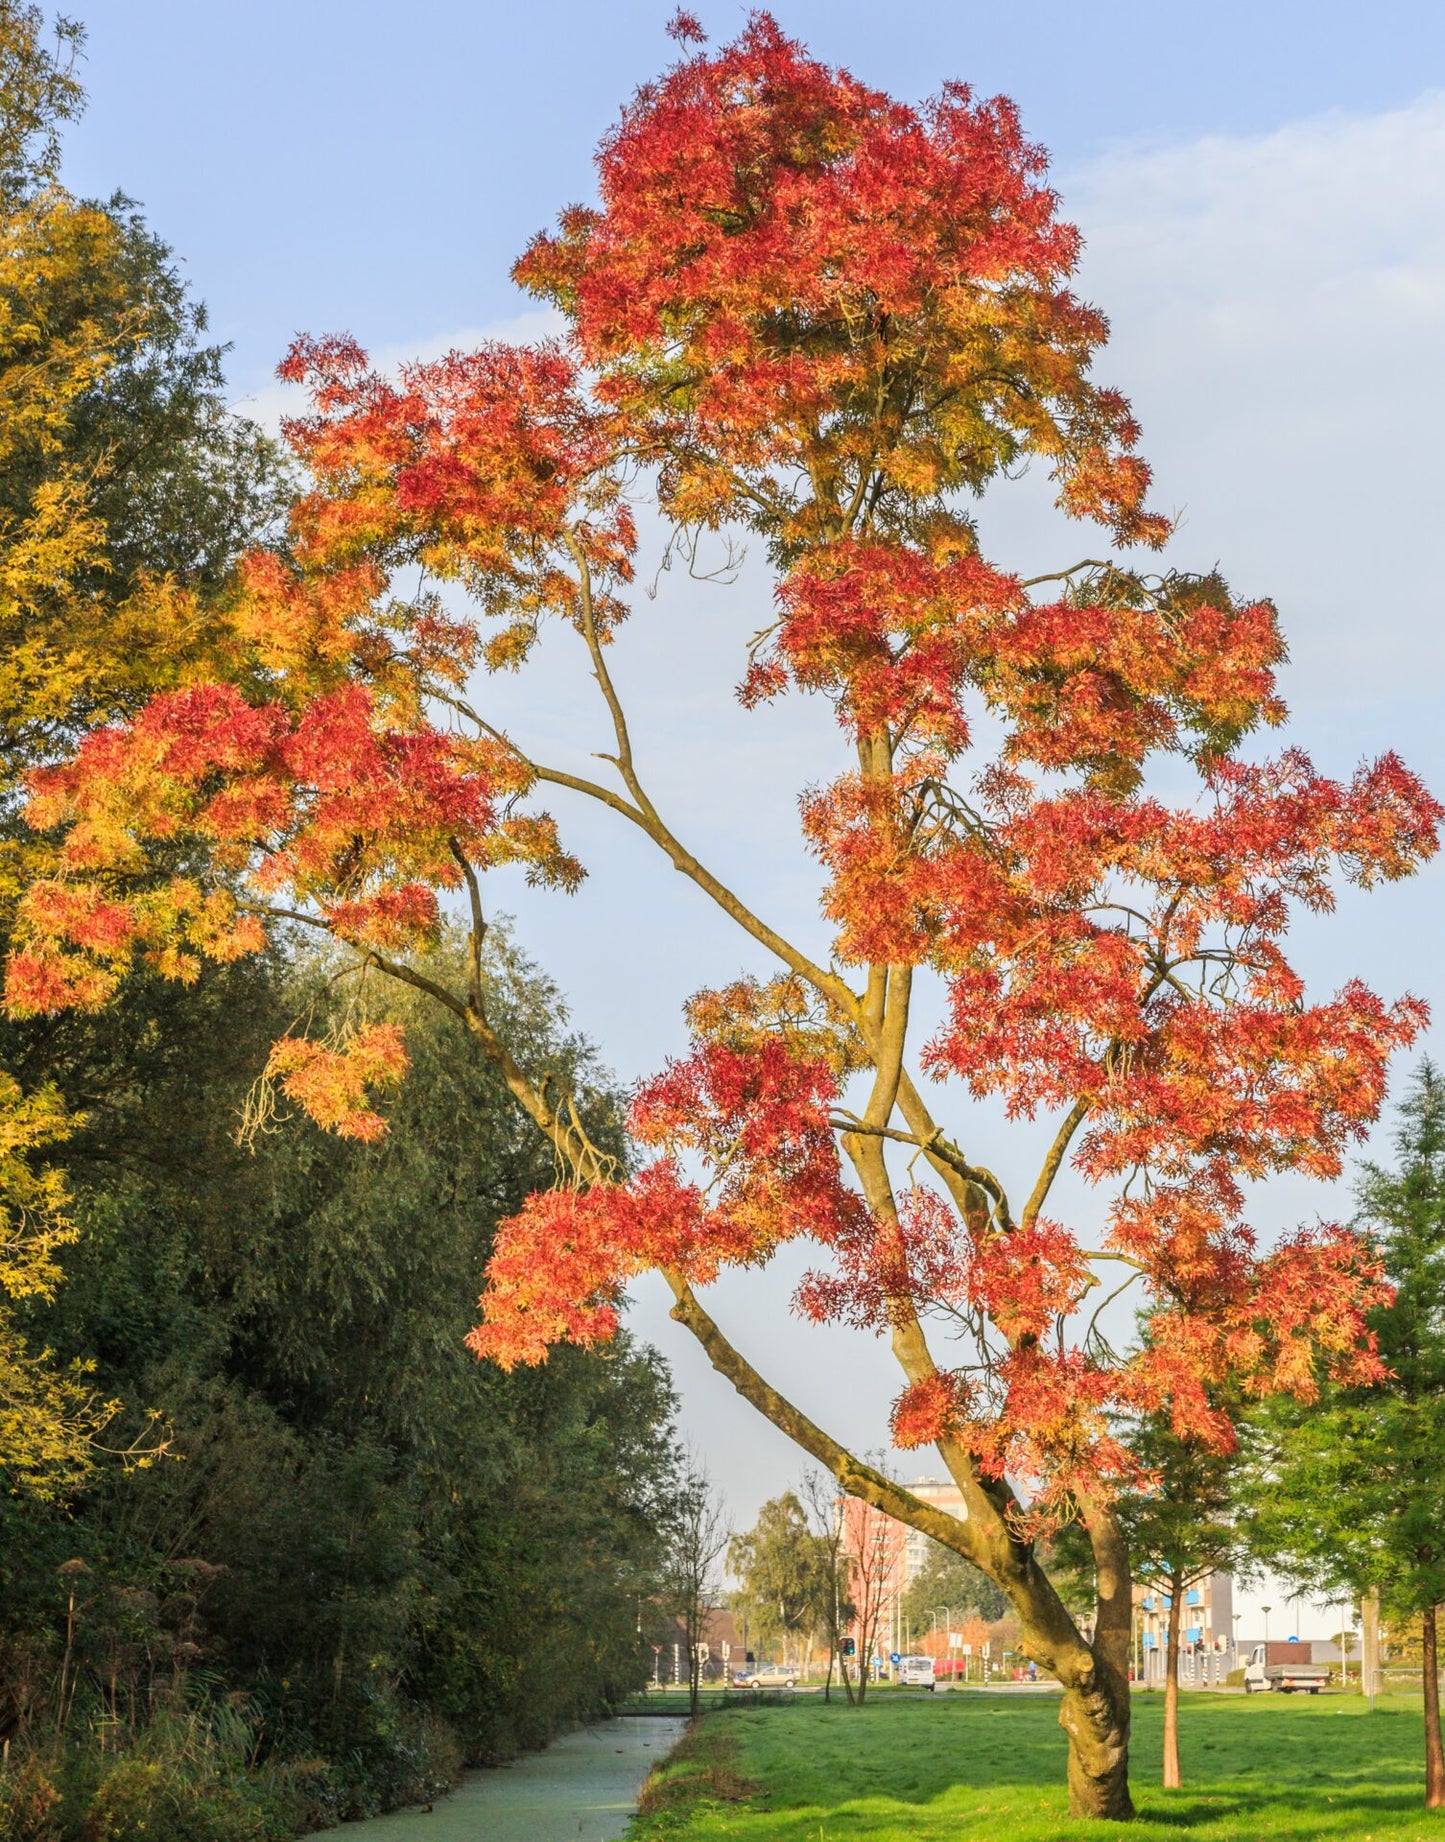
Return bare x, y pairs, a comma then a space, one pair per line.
581, 1789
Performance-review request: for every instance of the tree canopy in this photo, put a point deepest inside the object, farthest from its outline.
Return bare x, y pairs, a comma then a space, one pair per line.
784, 1578
127, 491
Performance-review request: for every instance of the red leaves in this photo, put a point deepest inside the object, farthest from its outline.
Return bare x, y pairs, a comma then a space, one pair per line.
928, 1410
1127, 956
488, 467
1053, 1429
302, 803
887, 1270
894, 636
334, 806
757, 1119
686, 28
558, 1267
1102, 683
780, 249
1028, 1279
1273, 1325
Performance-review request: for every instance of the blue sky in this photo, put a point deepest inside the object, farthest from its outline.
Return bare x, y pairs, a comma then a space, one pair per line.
1262, 190
378, 167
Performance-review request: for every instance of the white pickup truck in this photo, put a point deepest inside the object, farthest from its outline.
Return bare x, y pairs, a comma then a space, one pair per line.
1284, 1667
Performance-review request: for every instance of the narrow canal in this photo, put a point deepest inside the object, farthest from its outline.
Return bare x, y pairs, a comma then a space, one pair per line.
581, 1789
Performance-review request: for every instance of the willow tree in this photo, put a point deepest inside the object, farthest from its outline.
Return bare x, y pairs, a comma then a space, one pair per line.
805, 311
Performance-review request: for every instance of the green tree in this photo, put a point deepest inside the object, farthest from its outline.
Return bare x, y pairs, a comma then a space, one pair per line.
395, 1533
836, 1610
1180, 1529
783, 1577
1349, 1494
947, 1579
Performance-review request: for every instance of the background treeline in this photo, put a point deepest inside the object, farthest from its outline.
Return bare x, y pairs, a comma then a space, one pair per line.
361, 1555
274, 1548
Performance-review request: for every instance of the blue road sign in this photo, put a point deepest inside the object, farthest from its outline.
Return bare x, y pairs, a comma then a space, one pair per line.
893, 1656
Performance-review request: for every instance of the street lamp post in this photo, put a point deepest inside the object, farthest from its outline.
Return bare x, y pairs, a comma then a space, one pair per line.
1235, 1663
1266, 1609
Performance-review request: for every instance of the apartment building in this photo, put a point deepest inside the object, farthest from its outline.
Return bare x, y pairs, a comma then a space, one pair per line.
1206, 1638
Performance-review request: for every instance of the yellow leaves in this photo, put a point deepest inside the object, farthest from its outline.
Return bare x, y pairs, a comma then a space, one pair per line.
748, 1013
33, 1223
507, 651
48, 1416
60, 282
331, 1080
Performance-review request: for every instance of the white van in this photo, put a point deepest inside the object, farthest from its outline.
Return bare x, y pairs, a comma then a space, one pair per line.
915, 1672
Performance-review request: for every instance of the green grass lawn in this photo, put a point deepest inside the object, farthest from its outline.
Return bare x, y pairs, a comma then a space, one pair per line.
990, 1768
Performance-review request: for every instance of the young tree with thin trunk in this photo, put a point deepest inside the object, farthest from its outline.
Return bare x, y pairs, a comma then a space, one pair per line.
1349, 1497
1180, 1528
873, 1557
835, 1610
695, 1537
805, 312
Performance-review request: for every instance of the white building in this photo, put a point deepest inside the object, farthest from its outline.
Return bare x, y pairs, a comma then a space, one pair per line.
942, 1495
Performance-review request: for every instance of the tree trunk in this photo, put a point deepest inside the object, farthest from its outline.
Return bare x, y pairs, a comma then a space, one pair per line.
1172, 1779
1434, 1757
1096, 1718
1094, 1676
1370, 1644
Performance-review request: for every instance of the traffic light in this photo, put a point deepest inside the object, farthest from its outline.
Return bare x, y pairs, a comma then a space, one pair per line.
848, 1647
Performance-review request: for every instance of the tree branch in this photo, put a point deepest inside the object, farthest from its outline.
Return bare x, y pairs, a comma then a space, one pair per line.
856, 1478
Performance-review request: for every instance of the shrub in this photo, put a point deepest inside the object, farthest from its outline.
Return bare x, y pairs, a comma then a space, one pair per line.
29, 1805
127, 1806
139, 1801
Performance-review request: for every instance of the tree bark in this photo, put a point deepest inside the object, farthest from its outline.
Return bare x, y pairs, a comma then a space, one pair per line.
1172, 1778
1434, 1756
1095, 1715
1370, 1644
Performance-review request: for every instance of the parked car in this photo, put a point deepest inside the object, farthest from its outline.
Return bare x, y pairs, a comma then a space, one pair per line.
766, 1676
1284, 1667
916, 1672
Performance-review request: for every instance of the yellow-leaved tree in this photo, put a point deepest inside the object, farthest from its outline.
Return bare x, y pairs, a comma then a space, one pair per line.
127, 489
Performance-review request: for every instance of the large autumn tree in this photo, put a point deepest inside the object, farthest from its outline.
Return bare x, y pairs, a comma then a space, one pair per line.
802, 310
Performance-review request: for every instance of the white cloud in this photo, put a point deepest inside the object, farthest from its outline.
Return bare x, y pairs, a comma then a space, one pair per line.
1279, 314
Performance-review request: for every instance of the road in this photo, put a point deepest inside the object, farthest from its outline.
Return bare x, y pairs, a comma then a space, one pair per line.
581, 1789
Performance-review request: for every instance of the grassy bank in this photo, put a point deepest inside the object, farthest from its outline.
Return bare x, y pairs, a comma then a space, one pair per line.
978, 1768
